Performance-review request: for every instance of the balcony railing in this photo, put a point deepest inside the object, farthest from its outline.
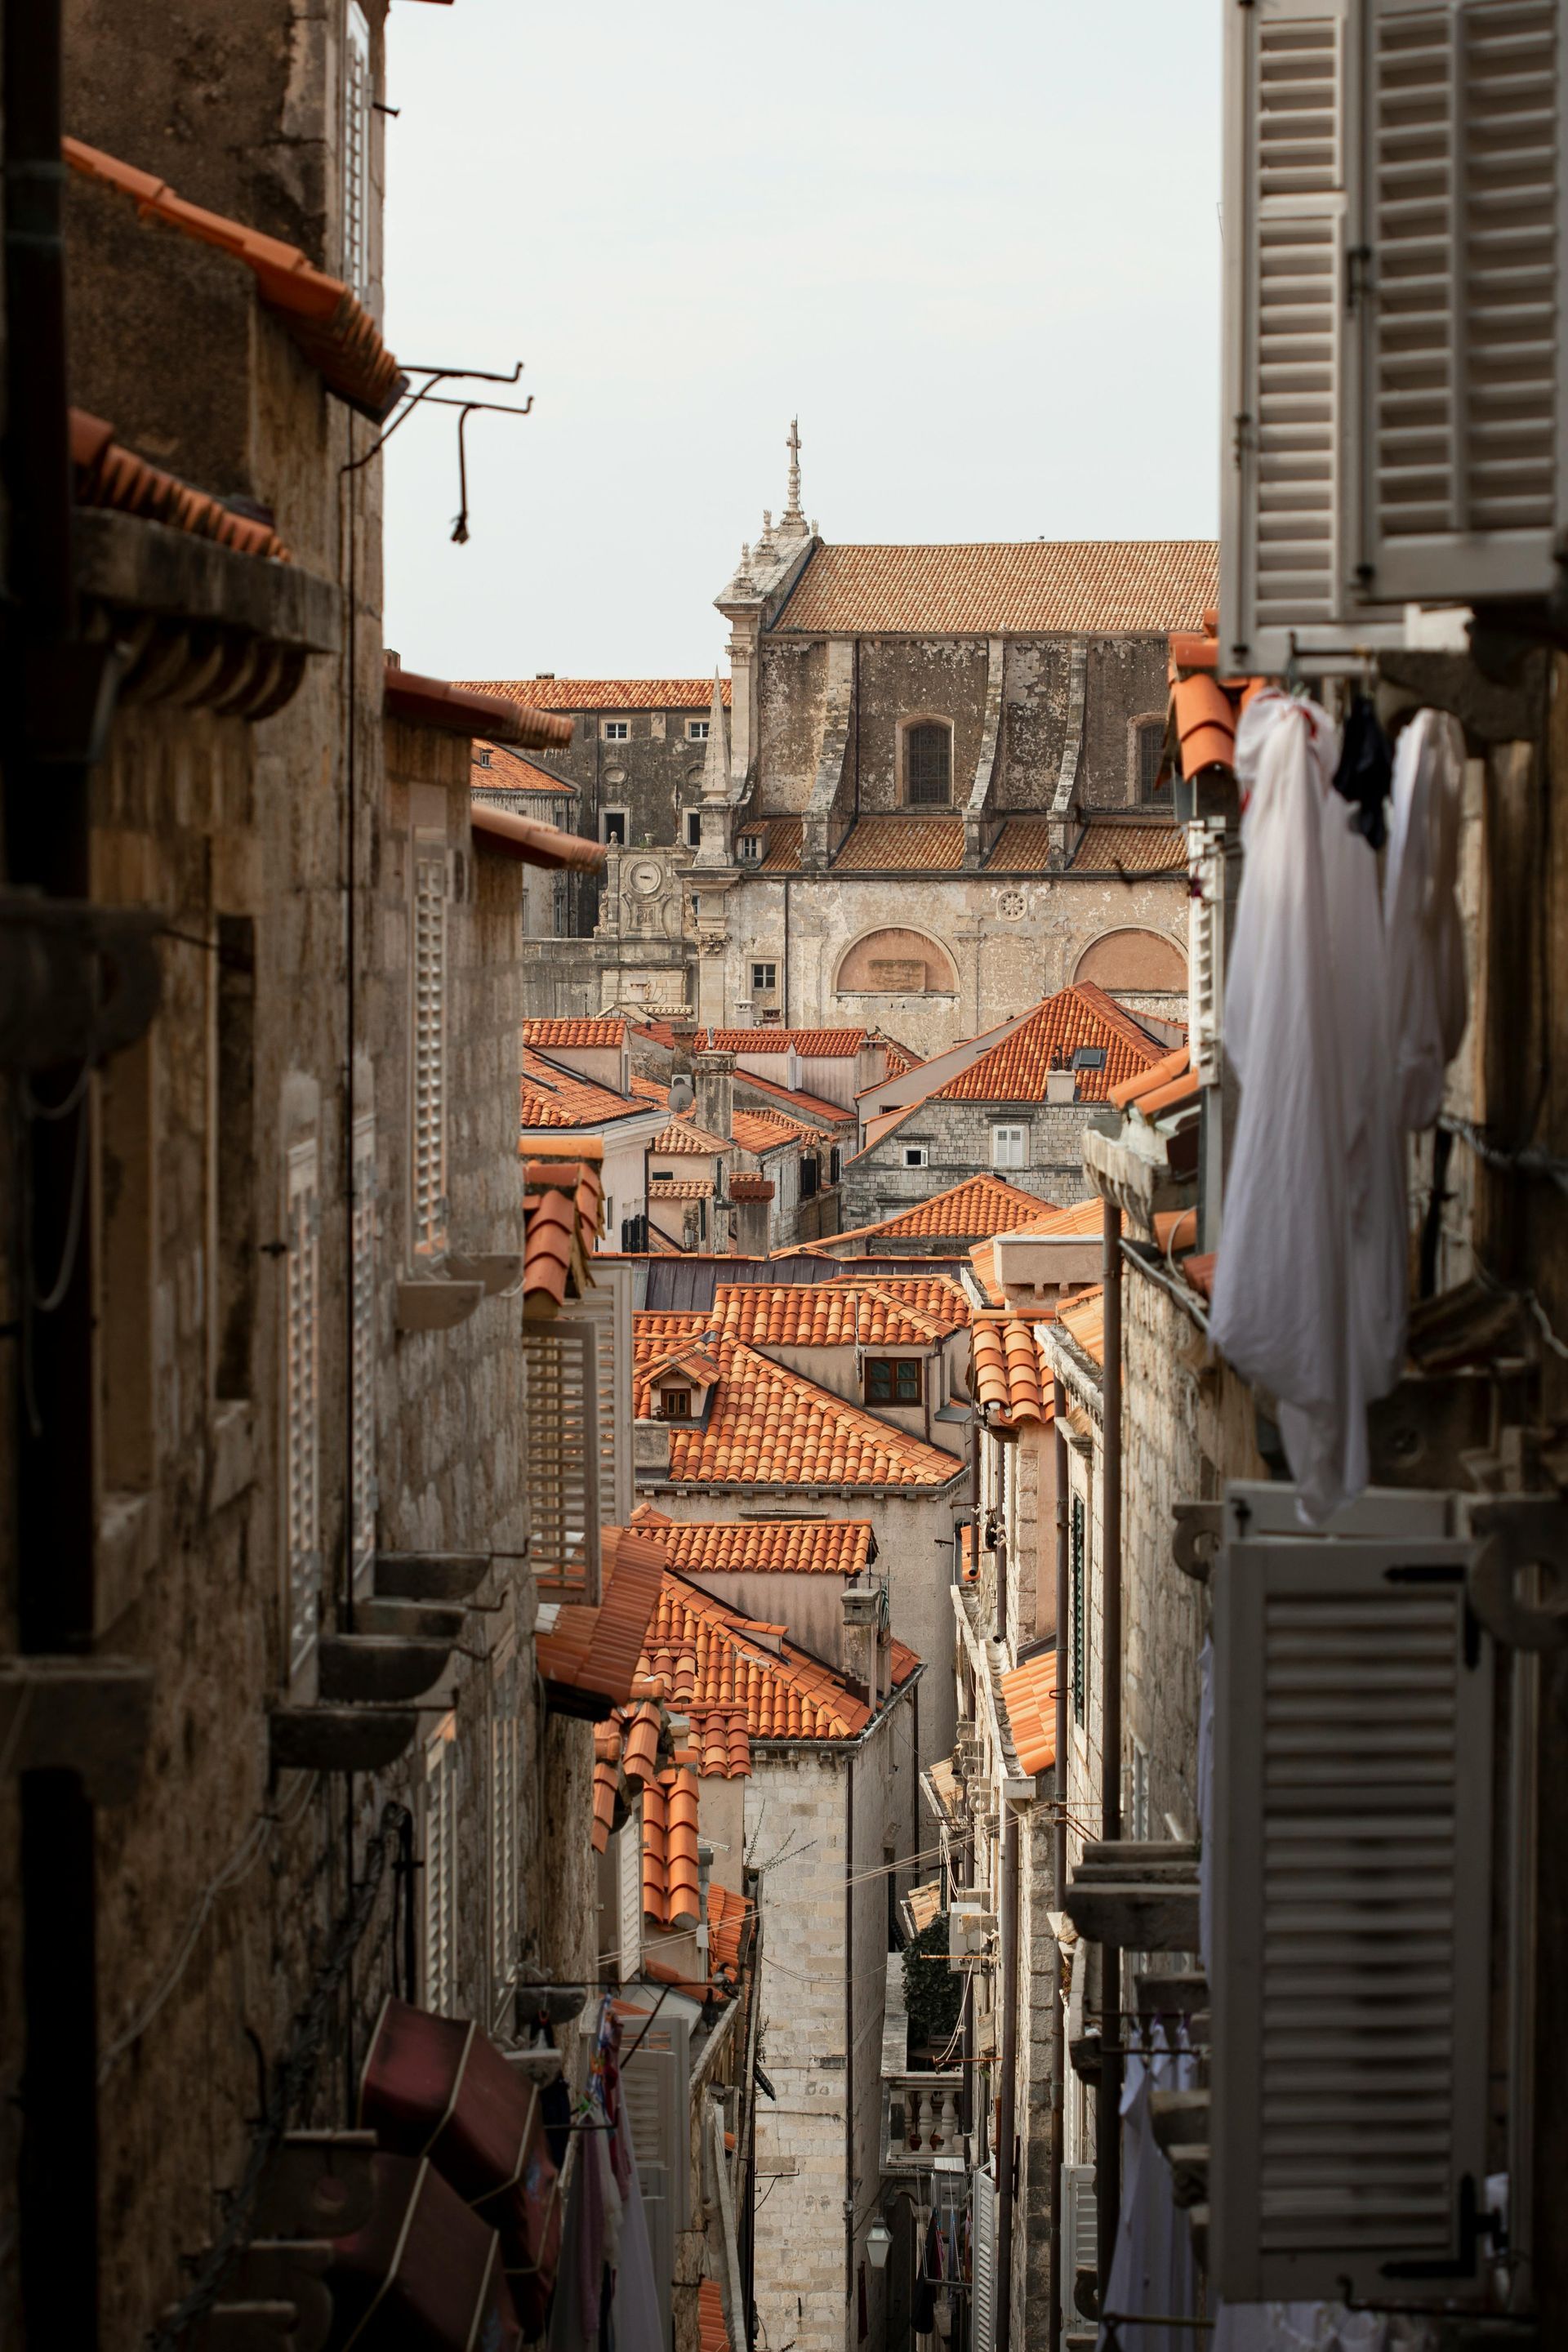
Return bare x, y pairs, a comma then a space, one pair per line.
920, 2123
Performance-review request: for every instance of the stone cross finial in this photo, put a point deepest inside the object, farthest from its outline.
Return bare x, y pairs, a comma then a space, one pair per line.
793, 517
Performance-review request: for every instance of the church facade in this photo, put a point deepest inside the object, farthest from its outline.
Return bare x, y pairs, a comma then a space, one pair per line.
930, 793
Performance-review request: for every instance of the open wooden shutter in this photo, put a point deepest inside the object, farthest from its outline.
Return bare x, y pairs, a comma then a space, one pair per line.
1352, 1824
564, 1467
1463, 370
429, 1051
609, 1307
1080, 2236
441, 1868
657, 2090
628, 1892
1284, 467
362, 1493
301, 1432
982, 2219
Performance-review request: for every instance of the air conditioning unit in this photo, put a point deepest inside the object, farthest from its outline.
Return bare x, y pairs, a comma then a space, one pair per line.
970, 1926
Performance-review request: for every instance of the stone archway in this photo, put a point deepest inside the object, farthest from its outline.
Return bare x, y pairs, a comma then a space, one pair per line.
1134, 961
896, 962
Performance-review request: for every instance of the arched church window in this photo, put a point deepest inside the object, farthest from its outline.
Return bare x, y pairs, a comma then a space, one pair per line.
1150, 749
928, 764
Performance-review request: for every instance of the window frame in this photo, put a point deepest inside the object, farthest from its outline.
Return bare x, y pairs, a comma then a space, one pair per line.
1144, 727
916, 1155
1018, 1130
902, 1372
622, 816
768, 987
928, 723
693, 828
749, 849
615, 731
697, 729
669, 1399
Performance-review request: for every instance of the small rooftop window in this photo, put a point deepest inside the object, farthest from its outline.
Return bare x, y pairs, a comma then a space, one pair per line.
1088, 1057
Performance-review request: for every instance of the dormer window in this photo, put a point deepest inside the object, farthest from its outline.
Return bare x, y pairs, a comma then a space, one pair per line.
675, 1405
749, 847
928, 764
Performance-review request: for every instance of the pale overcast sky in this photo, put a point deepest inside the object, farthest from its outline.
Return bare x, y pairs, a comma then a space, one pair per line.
975, 247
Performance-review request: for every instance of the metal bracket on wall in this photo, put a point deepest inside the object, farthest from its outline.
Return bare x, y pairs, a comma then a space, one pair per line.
1196, 1538
1518, 1532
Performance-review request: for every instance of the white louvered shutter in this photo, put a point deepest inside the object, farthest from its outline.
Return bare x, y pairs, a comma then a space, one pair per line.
441, 1869
1080, 2235
358, 95
429, 1141
565, 1466
506, 1838
609, 1307
1205, 948
1352, 1895
628, 1871
1463, 371
362, 1496
982, 2217
301, 1434
655, 2089
1284, 466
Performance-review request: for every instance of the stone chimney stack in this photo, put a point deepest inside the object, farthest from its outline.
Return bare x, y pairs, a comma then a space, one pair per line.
715, 1083
862, 1605
751, 1202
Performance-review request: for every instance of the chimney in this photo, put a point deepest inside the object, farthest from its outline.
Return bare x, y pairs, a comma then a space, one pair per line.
862, 1605
750, 1199
715, 1078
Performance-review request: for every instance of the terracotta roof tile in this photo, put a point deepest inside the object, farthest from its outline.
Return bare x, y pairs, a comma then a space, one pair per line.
827, 1044
752, 1188
760, 1040
982, 1205
712, 2336
684, 1140
330, 326
1016, 1069
1146, 1081
508, 833
606, 1029
1029, 1693
764, 1130
1158, 848
782, 855
698, 1548
707, 1657
1083, 1319
596, 694
770, 1426
596, 1650
424, 701
106, 475
563, 1203
843, 1313
1010, 1375
1022, 847
498, 768
554, 1096
816, 1108
680, 1188
1033, 587
919, 845
728, 1914
1160, 1100
625, 1751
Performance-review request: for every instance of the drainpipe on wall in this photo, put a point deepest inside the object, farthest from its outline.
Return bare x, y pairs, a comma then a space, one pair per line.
1059, 1846
1107, 2100
850, 2033
1006, 2130
786, 1005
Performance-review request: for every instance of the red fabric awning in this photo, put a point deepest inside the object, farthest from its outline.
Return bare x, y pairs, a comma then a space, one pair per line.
423, 2274
533, 843
438, 2087
462, 710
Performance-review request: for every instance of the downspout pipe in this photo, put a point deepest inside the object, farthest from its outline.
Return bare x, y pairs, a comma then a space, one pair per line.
1006, 2128
1107, 2109
57, 699
850, 2033
1059, 1846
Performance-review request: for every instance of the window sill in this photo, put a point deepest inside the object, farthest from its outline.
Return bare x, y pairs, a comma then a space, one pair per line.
433, 1305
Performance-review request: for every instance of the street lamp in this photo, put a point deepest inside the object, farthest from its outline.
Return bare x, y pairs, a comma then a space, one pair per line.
878, 2244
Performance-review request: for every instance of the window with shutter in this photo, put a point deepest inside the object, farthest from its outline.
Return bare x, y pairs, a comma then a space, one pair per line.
1080, 2236
655, 2088
983, 2220
429, 1187
302, 1407
358, 96
441, 1869
506, 1836
363, 1494
1205, 948
1351, 1826
1287, 191
1463, 370
629, 1871
565, 1465
1079, 1612
608, 1307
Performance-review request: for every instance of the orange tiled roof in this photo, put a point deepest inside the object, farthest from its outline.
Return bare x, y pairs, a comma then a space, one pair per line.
554, 1096
1022, 847
1083, 1319
707, 1657
973, 1211
712, 2336
106, 475
844, 1313
764, 1130
625, 1750
768, 1426
827, 1044
684, 1140
1204, 707
1120, 848
1030, 588
920, 844
1016, 1069
728, 1914
1148, 1081
698, 1548
330, 326
562, 1203
596, 1650
752, 1188
815, 1107
899, 1058
425, 701
507, 833
654, 1090
680, 1188
1159, 1100
604, 1029
937, 1296
1009, 1373
760, 1040
506, 770
596, 694
782, 852
672, 1885
1029, 1692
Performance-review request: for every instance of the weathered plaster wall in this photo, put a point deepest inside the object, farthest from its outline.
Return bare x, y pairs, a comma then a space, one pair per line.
957, 1138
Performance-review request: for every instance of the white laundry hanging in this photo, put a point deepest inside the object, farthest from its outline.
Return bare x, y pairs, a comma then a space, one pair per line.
1309, 1285
1421, 914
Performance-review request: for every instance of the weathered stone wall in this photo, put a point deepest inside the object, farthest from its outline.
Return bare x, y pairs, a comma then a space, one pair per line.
957, 1138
